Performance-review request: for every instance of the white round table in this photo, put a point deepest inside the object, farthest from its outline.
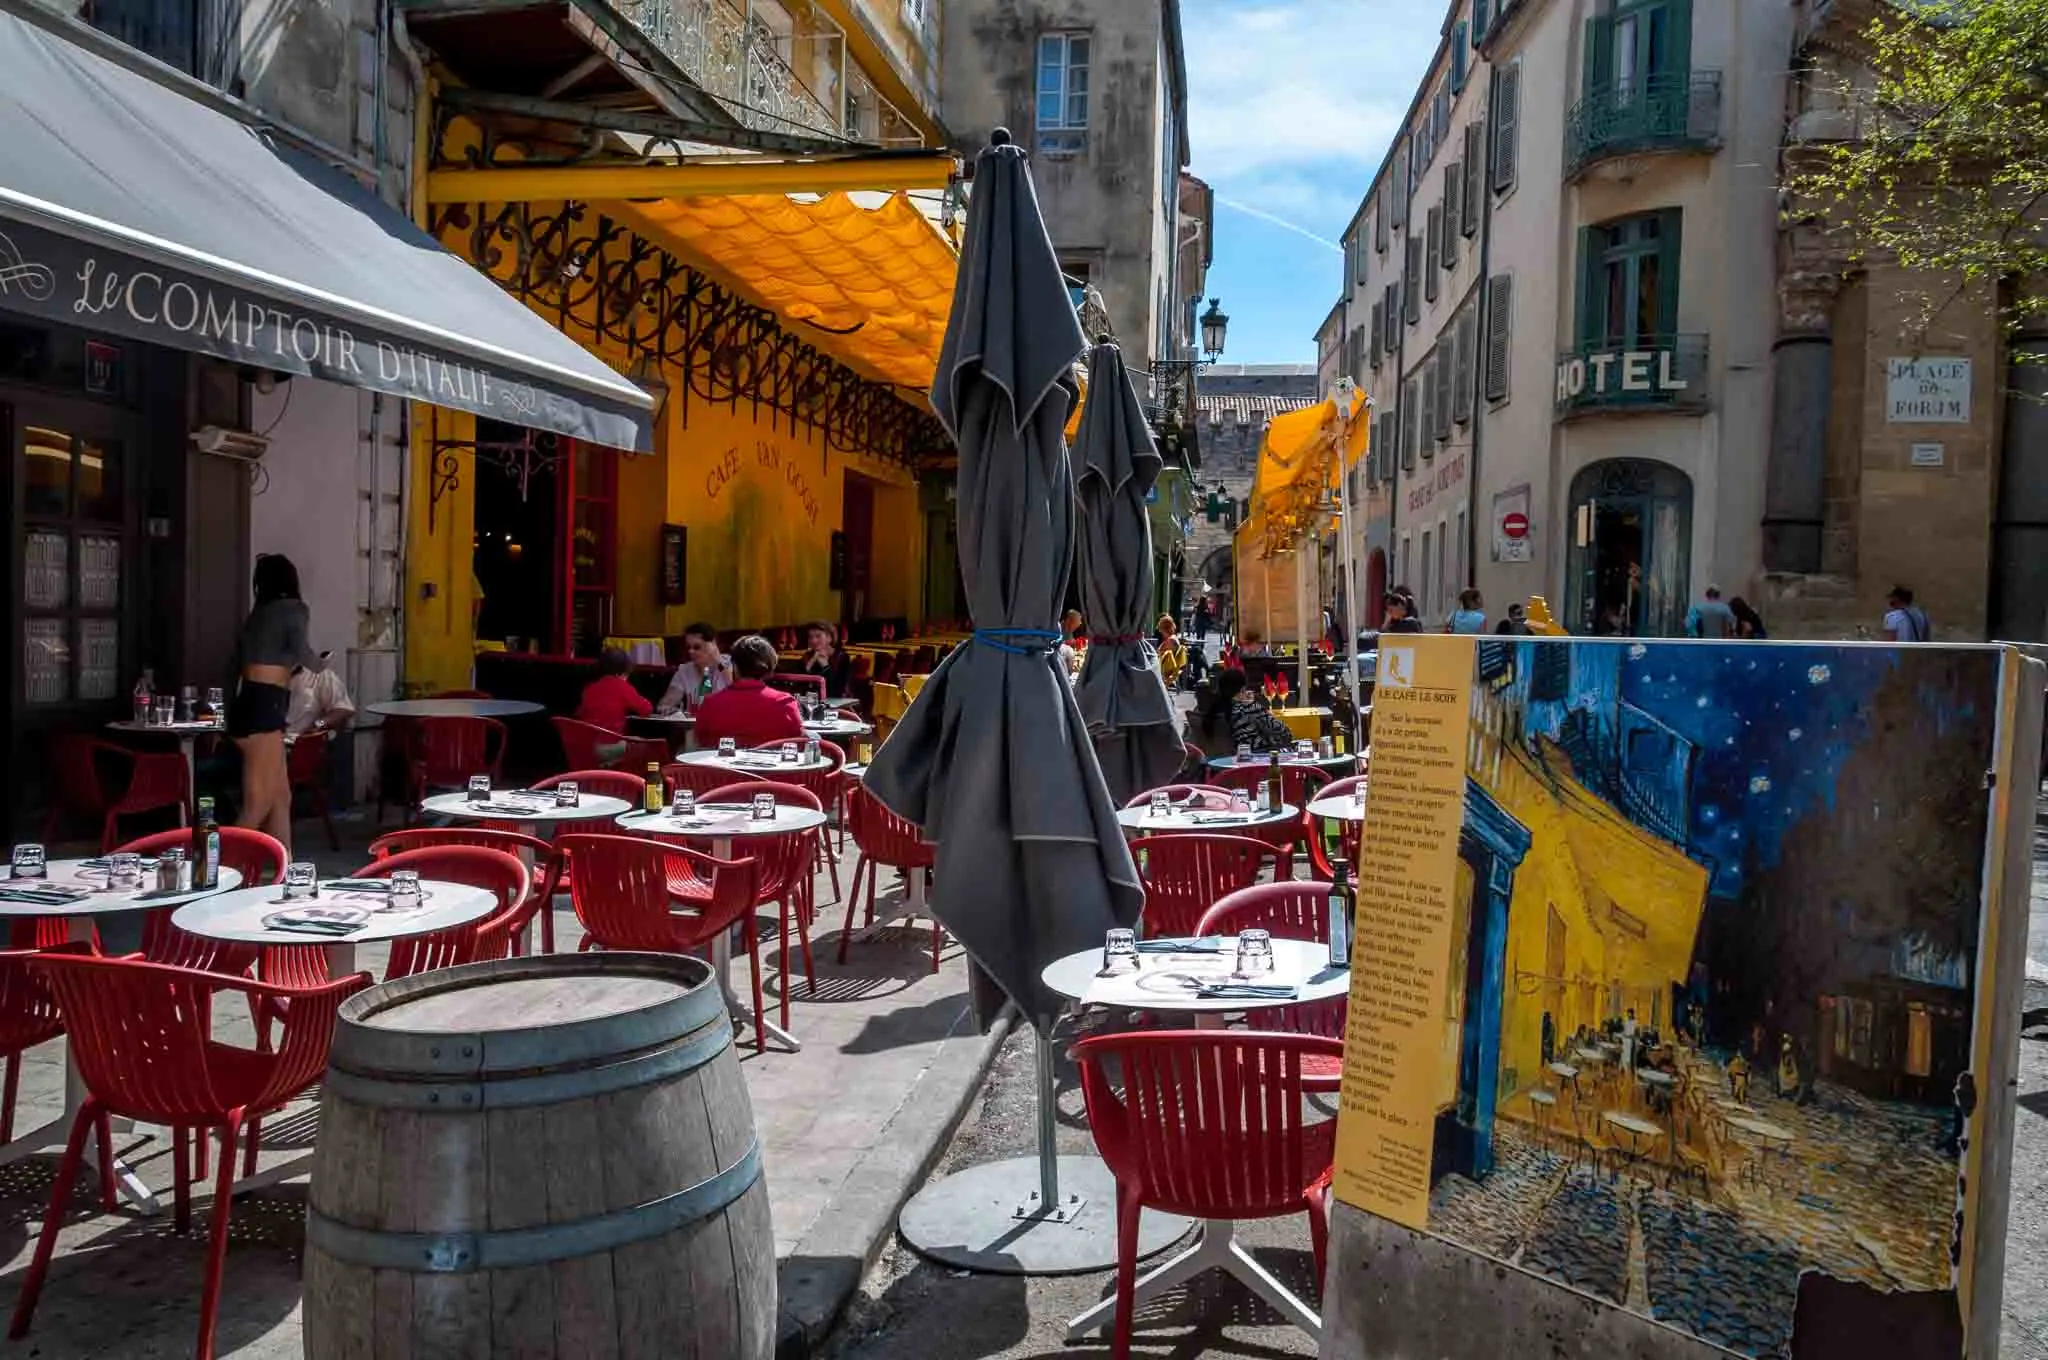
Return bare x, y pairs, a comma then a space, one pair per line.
83, 915
529, 812
1332, 765
722, 824
766, 763
239, 915
453, 708
837, 730
1338, 809
1219, 820
1303, 964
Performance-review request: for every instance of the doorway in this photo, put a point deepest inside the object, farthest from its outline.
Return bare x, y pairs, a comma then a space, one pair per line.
857, 521
1631, 549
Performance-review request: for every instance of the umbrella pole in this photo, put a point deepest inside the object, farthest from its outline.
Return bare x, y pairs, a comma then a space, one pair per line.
1048, 1127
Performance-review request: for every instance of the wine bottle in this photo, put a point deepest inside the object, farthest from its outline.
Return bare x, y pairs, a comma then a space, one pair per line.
651, 796
1340, 907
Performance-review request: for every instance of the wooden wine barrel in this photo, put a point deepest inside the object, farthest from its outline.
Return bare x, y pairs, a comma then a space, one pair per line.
546, 1156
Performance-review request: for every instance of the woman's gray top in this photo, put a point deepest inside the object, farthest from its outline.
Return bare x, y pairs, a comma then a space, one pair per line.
274, 634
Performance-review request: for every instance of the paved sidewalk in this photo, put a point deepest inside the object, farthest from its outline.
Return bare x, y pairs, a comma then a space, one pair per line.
848, 1125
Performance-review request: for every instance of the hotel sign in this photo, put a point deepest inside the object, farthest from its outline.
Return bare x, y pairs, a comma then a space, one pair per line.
1617, 373
1930, 390
55, 278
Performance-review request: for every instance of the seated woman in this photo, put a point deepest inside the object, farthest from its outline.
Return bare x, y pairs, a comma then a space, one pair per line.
1173, 653
1235, 718
610, 699
747, 710
824, 658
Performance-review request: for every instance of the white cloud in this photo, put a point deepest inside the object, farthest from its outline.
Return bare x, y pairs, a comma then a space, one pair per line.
1284, 90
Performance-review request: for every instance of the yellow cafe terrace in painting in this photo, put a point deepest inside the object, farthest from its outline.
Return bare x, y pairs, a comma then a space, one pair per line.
774, 273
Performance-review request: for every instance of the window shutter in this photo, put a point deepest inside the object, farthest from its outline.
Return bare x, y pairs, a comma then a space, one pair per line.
1669, 224
1468, 355
1475, 176
1411, 297
1454, 187
1478, 22
1507, 100
1379, 226
1446, 374
1500, 318
1597, 55
1460, 57
1392, 340
1379, 331
1400, 204
1433, 251
1591, 324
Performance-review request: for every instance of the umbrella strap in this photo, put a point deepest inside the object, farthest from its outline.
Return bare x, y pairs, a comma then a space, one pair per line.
1019, 641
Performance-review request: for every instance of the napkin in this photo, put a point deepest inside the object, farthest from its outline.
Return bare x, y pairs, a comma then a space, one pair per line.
317, 920
362, 885
1207, 944
49, 895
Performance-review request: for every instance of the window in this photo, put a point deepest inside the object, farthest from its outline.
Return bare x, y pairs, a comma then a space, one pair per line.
1500, 317
1359, 269
1639, 41
1063, 92
1458, 545
1475, 169
1468, 354
1454, 185
1478, 22
1628, 281
1379, 224
1379, 331
1411, 423
73, 506
1461, 58
1411, 297
1440, 605
1440, 116
1425, 433
1446, 370
1400, 203
1408, 574
1427, 599
1433, 251
1507, 99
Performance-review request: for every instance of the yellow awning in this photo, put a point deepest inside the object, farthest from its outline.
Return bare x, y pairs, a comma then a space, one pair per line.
876, 284
1297, 464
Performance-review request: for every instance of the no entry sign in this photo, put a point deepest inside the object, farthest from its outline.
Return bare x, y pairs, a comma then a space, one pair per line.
1514, 524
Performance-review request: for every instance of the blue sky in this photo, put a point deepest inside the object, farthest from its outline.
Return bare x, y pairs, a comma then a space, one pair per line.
1291, 106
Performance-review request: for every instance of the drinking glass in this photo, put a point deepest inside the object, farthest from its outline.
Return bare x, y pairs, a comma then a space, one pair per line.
685, 804
789, 753
166, 712
479, 788
216, 705
1254, 953
188, 703
567, 794
1119, 952
1326, 748
1244, 753
1239, 802
1162, 806
405, 890
866, 752
764, 807
1306, 750
124, 872
727, 748
301, 880
29, 861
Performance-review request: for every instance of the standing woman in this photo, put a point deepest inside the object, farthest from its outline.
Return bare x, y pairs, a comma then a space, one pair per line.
274, 639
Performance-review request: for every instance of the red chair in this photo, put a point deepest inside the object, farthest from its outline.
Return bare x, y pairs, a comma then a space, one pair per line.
256, 855
306, 769
828, 786
497, 871
142, 1039
785, 863
621, 895
702, 779
445, 752
534, 852
1293, 910
82, 768
1348, 833
28, 1016
1211, 1124
581, 740
1188, 873
884, 841
1298, 784
797, 683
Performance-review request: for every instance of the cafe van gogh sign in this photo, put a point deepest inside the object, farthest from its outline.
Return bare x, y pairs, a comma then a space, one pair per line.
60, 279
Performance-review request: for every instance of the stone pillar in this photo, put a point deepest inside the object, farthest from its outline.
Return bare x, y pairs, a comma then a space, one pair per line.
1802, 362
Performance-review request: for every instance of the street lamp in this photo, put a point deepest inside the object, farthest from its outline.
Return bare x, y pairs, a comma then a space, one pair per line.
1214, 325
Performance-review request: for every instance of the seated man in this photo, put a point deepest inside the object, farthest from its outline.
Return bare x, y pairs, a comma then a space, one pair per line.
697, 679
319, 699
747, 710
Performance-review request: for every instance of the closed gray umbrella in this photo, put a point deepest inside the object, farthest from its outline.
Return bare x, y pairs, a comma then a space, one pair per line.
993, 760
1123, 700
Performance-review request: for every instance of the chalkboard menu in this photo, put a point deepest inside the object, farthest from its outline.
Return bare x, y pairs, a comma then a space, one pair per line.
835, 572
675, 574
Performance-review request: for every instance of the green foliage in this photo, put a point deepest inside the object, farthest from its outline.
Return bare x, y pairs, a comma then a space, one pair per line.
1946, 169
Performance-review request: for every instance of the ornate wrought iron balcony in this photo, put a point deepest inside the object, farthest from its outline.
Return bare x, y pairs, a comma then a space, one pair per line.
1665, 373
734, 61
1680, 111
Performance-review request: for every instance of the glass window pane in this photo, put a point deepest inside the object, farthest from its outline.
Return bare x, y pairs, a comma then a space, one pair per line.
99, 480
1049, 110
1647, 321
46, 474
1050, 51
1077, 51
99, 658
45, 566
99, 572
1624, 55
1614, 312
46, 661
1077, 111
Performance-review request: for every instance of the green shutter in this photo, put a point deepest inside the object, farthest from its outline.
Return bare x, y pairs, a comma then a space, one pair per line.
1668, 224
1459, 67
1677, 56
1591, 240
1597, 55
1478, 22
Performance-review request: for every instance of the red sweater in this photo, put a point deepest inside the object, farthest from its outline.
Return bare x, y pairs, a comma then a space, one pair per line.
750, 713
608, 699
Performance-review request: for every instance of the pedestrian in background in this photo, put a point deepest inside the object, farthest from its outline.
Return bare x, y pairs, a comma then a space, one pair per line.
1748, 623
1905, 621
1516, 624
1469, 616
1400, 614
1710, 618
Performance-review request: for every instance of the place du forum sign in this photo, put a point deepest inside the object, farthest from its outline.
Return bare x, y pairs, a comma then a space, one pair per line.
1617, 373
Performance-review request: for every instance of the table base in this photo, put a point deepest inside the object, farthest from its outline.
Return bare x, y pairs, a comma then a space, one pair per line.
989, 1219
1216, 1249
909, 907
57, 1132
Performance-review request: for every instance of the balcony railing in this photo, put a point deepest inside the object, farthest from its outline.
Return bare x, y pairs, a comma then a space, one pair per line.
733, 61
1672, 112
1661, 373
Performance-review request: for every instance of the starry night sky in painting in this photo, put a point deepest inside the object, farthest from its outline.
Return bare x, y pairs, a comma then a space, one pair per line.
1772, 722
